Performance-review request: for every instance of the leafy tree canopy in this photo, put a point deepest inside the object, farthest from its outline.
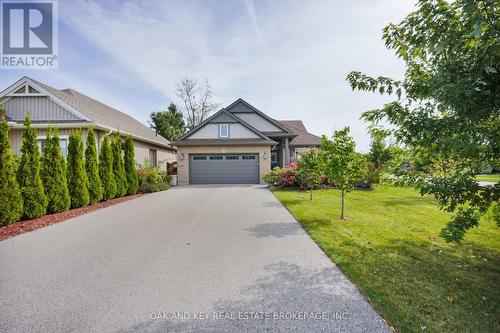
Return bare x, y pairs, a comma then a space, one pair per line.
340, 163
446, 109
309, 168
169, 124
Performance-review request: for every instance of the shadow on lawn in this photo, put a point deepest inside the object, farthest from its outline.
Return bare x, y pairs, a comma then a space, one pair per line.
286, 288
423, 275
404, 202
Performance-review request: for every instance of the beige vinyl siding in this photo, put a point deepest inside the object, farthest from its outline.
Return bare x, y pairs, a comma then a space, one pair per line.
261, 124
141, 149
211, 131
183, 164
163, 156
16, 137
40, 108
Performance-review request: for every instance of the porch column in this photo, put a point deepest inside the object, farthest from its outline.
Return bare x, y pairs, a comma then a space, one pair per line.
287, 152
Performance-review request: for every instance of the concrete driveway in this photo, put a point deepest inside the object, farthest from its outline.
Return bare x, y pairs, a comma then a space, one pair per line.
192, 259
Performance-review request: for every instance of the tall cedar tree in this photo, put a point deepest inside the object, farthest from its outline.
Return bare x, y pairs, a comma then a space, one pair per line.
106, 170
446, 109
28, 175
92, 168
129, 160
11, 201
77, 177
119, 167
54, 175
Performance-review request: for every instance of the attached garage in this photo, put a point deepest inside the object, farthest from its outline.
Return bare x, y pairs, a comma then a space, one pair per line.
232, 168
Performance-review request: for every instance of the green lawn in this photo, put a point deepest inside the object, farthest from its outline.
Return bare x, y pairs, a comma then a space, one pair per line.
391, 250
489, 178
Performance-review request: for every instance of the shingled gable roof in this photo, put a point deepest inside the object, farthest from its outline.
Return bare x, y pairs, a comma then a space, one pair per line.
260, 113
303, 138
100, 114
184, 140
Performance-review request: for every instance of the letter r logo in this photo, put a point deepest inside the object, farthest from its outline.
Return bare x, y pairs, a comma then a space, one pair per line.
27, 27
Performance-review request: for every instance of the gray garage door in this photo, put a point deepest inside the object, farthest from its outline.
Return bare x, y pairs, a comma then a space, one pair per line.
224, 169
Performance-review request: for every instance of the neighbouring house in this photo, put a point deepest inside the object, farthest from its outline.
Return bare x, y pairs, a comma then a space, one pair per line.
68, 109
238, 145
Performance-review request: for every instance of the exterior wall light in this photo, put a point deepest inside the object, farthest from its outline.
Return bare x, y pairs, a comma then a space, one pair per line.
265, 156
182, 156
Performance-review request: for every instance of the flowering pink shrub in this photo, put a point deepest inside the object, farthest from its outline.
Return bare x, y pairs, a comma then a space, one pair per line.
284, 177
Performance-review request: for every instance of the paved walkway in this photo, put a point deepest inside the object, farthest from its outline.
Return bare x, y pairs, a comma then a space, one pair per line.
201, 259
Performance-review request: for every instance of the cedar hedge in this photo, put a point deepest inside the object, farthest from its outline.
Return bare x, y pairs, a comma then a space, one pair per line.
11, 201
34, 185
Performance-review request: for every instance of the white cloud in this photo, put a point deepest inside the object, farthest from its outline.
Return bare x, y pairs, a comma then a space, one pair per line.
288, 58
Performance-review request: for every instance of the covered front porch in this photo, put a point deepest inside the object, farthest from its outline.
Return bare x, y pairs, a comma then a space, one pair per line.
281, 154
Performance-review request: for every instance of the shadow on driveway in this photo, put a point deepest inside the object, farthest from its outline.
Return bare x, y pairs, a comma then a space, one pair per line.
270, 304
277, 230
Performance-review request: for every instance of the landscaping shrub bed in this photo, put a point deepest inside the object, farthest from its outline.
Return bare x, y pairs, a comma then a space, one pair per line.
152, 179
46, 182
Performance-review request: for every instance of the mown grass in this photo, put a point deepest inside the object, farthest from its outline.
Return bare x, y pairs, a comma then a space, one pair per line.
495, 178
391, 250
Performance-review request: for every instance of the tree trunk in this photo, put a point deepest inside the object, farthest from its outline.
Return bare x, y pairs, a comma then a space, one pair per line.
311, 195
342, 211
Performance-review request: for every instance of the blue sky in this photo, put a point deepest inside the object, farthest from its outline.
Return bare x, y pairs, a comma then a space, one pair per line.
287, 58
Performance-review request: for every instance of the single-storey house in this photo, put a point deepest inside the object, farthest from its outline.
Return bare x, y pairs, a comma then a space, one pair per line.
68, 109
239, 144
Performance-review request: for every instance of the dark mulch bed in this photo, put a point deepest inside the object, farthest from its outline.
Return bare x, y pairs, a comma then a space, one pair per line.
30, 225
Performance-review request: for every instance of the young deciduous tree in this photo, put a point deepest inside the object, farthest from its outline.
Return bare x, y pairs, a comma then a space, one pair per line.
119, 167
169, 124
92, 168
340, 163
309, 168
129, 160
106, 170
54, 175
28, 175
379, 154
11, 201
447, 107
198, 101
76, 175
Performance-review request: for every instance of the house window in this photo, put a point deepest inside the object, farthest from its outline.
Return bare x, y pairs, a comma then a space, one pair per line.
63, 144
152, 157
223, 130
199, 158
248, 157
232, 157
